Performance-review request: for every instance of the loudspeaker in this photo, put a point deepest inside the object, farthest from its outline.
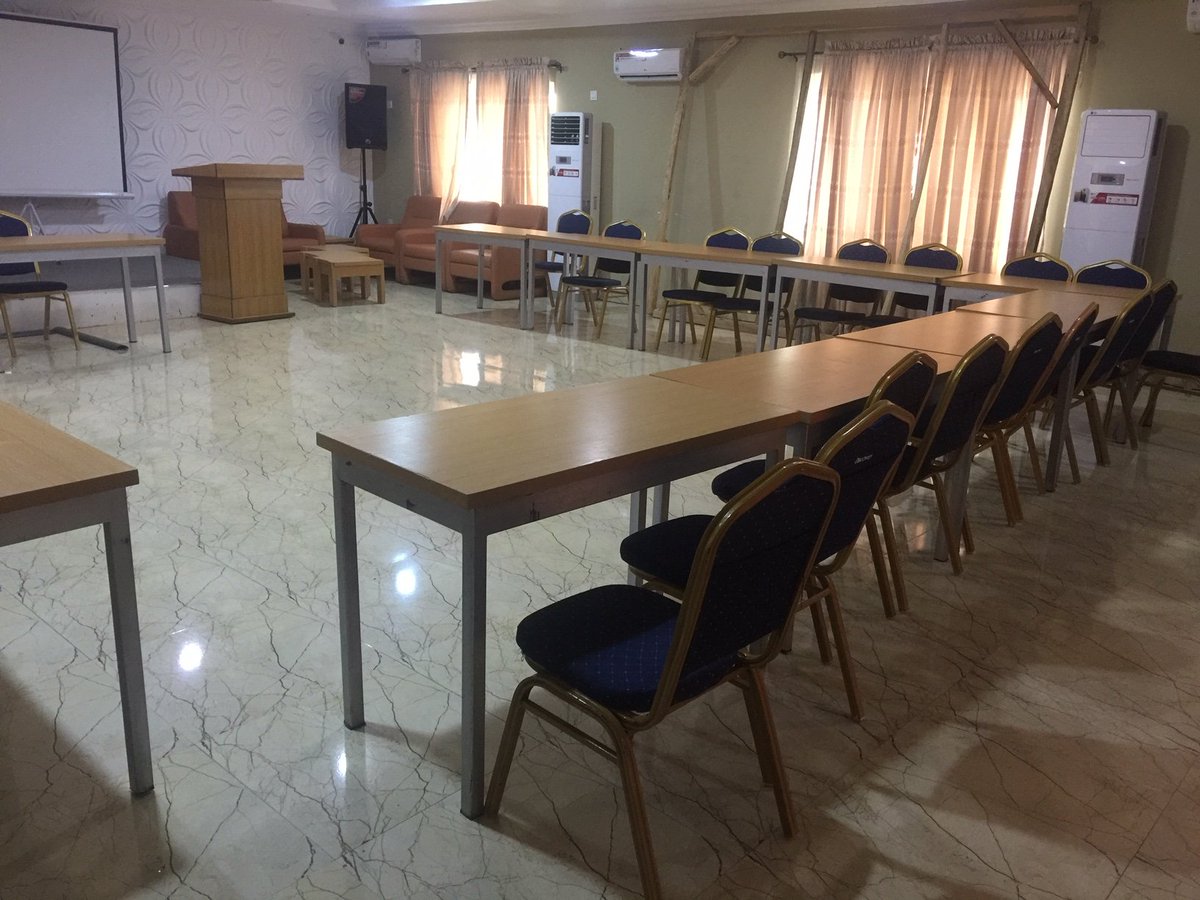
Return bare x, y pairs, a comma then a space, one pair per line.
366, 116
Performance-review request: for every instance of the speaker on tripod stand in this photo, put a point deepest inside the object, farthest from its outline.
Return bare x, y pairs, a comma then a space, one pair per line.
366, 129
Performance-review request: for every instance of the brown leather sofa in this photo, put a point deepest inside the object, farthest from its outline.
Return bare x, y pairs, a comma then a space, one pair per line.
422, 211
501, 265
415, 248
182, 231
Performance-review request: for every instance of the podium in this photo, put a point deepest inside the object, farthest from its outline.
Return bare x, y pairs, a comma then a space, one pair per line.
240, 213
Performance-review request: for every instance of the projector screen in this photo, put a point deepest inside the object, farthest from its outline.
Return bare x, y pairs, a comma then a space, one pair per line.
60, 105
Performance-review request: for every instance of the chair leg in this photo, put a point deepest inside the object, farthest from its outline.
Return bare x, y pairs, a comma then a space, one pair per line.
952, 542
819, 631
1071, 458
71, 318
878, 559
638, 823
766, 741
838, 626
1152, 402
691, 319
1099, 439
1108, 408
601, 298
662, 321
8, 332
1007, 477
706, 347
1035, 462
737, 335
893, 554
508, 746
968, 537
1127, 401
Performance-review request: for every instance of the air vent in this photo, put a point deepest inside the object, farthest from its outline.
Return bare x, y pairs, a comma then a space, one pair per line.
565, 131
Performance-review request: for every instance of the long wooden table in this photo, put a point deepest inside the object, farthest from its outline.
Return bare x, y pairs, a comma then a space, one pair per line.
973, 287
59, 247
873, 275
50, 483
547, 454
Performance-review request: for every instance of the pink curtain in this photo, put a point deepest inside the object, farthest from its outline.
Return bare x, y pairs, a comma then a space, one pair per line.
989, 146
439, 114
869, 122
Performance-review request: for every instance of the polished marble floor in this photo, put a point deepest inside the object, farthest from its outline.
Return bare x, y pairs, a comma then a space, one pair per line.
1032, 727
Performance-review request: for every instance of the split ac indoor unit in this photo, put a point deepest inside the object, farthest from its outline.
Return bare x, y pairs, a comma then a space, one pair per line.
641, 66
393, 51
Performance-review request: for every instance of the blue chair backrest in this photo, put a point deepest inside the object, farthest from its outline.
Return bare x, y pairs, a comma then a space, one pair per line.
932, 258
1030, 359
730, 239
956, 417
760, 563
908, 383
860, 251
1113, 273
1043, 267
1113, 349
1160, 305
864, 454
1076, 336
779, 244
619, 230
574, 221
12, 226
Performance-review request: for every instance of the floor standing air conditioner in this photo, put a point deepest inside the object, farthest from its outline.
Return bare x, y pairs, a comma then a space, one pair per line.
574, 167
1112, 188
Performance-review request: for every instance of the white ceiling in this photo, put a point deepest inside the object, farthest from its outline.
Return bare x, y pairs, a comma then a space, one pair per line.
417, 17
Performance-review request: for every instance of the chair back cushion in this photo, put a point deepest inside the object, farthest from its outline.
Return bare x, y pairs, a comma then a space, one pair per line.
933, 257
1119, 335
1114, 273
421, 211
470, 212
730, 239
574, 221
779, 244
1046, 268
625, 230
1028, 363
1160, 305
181, 209
861, 251
907, 383
522, 215
13, 226
953, 422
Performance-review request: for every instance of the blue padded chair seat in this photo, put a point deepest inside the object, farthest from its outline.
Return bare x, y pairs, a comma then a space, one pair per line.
731, 482
694, 294
548, 265
821, 314
592, 281
32, 287
618, 658
876, 321
1173, 361
666, 549
740, 304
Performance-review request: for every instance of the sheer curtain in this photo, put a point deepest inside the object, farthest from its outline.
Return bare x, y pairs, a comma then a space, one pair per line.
526, 131
439, 114
989, 146
870, 118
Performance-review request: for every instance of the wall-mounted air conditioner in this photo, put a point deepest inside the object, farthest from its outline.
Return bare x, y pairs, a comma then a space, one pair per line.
393, 51
641, 66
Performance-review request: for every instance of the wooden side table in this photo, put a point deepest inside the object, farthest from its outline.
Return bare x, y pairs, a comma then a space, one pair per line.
319, 268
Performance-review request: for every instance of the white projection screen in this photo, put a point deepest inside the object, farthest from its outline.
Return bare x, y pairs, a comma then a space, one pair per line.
60, 109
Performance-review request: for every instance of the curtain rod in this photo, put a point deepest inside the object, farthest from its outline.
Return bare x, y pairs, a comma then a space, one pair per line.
553, 64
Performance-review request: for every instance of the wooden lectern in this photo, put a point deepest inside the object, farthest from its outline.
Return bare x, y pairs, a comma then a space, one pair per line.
238, 206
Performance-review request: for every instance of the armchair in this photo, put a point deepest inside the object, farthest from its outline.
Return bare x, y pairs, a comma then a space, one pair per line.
415, 248
421, 211
501, 265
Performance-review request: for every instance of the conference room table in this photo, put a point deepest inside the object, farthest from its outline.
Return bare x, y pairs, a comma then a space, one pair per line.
483, 236
548, 453
51, 483
60, 247
976, 286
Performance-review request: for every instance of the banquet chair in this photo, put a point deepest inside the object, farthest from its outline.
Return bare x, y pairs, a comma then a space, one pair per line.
1030, 363
1096, 365
944, 432
778, 243
608, 276
626, 657
1038, 265
812, 317
865, 454
1114, 273
12, 225
702, 294
927, 256
573, 221
1159, 365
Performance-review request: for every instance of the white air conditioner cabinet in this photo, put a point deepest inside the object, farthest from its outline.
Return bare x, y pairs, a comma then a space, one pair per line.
393, 51
641, 66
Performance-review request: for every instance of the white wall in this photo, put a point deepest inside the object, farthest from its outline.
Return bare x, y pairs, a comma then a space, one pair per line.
219, 84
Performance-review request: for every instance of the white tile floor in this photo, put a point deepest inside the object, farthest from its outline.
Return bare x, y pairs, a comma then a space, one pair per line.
1032, 727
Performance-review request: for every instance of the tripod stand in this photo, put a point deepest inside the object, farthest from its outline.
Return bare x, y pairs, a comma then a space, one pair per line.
365, 213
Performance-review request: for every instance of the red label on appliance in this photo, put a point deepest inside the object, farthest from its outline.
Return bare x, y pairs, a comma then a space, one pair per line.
1107, 199
567, 173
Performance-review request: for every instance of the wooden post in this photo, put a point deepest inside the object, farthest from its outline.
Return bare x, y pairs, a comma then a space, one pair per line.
706, 68
1011, 40
935, 101
664, 210
797, 128
1058, 133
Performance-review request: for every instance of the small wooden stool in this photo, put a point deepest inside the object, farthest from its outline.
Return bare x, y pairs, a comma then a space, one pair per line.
328, 267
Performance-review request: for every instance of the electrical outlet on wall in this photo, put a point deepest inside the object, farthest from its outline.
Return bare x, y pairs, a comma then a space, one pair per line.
595, 95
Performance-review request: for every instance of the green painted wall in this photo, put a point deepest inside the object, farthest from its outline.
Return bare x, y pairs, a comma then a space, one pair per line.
738, 127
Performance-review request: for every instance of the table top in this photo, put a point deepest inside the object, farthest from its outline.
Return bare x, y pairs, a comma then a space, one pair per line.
953, 332
283, 171
40, 464
1035, 304
488, 453
890, 270
342, 253
18, 245
1014, 284
482, 229
818, 380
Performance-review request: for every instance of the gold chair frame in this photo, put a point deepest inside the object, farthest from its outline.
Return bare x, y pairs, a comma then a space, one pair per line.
602, 293
1049, 257
5, 296
1109, 262
665, 304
